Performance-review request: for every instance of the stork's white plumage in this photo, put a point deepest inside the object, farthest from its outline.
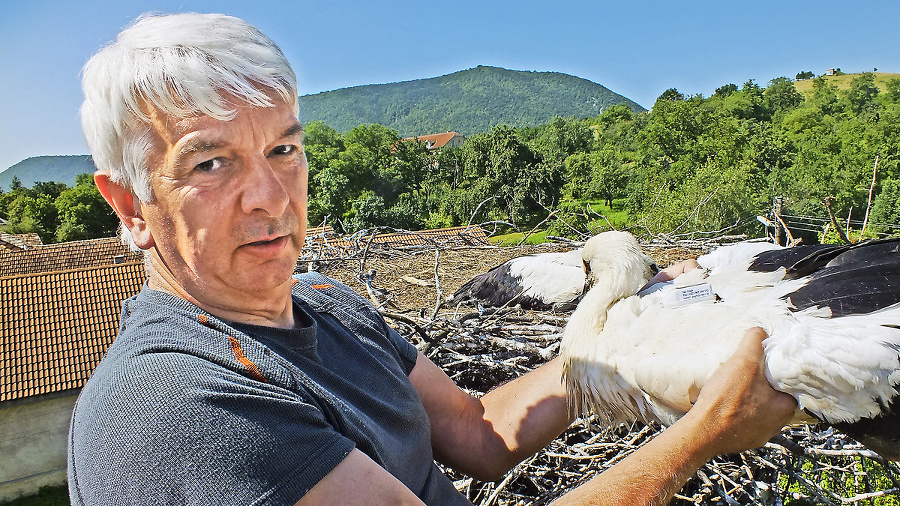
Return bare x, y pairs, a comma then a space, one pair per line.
832, 314
541, 281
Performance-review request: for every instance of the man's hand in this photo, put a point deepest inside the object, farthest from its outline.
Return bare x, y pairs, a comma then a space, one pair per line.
671, 272
741, 409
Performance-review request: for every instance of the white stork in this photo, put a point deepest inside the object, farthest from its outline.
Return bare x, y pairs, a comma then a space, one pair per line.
543, 281
832, 314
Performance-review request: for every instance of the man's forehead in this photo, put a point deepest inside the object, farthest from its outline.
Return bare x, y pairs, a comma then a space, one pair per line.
171, 129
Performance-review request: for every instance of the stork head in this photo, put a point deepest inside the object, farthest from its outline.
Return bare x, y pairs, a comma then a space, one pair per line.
615, 261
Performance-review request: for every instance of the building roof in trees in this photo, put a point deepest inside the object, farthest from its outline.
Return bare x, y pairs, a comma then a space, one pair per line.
18, 242
438, 141
56, 326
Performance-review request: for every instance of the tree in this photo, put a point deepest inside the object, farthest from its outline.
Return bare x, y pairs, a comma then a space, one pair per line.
806, 74
726, 90
83, 212
824, 95
608, 175
892, 92
885, 215
670, 95
862, 92
781, 95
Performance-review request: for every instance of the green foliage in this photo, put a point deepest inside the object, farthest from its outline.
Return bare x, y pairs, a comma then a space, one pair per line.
471, 101
46, 496
885, 216
83, 213
58, 213
862, 93
806, 74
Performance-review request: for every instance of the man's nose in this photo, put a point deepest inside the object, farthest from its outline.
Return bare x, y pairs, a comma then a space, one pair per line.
263, 189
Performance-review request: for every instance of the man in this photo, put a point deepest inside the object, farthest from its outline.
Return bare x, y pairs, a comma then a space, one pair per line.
233, 383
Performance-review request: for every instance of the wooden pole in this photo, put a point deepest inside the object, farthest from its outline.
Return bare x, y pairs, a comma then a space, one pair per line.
779, 233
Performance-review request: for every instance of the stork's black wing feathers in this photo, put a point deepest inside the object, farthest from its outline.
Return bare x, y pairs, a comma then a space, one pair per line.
852, 289
804, 260
495, 287
881, 433
769, 261
852, 279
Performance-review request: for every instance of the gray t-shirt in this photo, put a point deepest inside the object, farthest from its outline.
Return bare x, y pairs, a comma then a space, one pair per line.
189, 409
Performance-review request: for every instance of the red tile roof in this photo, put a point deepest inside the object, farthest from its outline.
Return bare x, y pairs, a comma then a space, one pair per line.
65, 256
55, 327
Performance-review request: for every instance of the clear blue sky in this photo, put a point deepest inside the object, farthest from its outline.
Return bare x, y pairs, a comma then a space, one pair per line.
635, 48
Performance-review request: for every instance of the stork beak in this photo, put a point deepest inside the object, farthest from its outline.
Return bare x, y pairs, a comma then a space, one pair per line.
588, 279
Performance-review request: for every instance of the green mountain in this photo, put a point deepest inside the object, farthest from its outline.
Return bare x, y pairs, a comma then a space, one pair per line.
62, 169
469, 102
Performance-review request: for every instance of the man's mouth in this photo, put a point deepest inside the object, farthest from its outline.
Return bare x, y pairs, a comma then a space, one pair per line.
273, 242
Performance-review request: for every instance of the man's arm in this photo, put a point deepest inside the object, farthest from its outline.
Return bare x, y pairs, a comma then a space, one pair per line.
485, 437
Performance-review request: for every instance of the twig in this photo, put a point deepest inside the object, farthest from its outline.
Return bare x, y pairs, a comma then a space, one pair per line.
552, 214
869, 204
834, 223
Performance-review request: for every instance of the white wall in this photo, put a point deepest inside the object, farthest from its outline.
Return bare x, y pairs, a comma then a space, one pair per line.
33, 440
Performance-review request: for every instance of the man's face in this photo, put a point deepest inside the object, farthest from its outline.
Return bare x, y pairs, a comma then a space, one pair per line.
228, 213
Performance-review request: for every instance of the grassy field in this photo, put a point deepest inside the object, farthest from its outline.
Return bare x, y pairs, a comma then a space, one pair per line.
843, 82
602, 217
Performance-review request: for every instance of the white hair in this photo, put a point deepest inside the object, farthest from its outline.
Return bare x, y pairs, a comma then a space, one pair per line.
179, 65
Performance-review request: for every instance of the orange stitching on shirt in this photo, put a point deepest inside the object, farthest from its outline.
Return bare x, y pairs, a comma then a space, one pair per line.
321, 287
239, 355
203, 319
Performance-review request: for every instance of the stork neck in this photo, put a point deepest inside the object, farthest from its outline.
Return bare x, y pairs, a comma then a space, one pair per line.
595, 304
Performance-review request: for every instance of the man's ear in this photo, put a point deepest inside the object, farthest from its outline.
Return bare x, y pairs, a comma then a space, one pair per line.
127, 207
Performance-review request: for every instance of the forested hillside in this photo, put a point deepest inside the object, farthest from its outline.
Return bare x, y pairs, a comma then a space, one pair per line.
470, 101
692, 163
62, 169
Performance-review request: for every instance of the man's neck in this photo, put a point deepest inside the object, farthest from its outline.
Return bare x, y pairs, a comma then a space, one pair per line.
273, 310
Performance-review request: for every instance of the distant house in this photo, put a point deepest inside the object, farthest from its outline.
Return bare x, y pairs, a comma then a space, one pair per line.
829, 72
439, 141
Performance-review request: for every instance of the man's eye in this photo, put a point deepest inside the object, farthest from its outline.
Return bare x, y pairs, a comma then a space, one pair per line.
209, 165
284, 149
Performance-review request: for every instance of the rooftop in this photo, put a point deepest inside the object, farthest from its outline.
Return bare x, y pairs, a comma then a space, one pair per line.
56, 326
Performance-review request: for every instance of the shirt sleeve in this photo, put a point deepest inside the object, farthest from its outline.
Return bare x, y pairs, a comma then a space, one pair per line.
408, 352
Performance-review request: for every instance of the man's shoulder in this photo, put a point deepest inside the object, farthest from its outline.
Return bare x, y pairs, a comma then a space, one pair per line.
326, 295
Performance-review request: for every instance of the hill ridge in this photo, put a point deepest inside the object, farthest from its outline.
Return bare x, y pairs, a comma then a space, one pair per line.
467, 101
